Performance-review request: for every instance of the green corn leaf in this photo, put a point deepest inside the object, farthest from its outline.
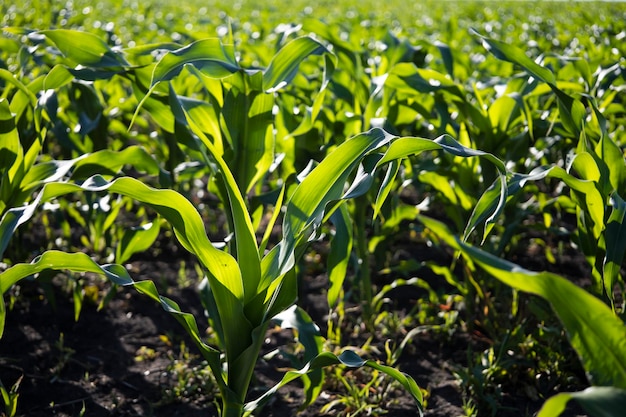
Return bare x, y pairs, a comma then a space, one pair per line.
11, 155
313, 112
84, 48
386, 186
136, 239
210, 56
308, 334
223, 271
10, 78
488, 208
597, 335
284, 65
249, 121
408, 78
404, 147
513, 54
446, 56
614, 176
349, 359
615, 241
324, 184
12, 219
58, 77
339, 256
245, 238
572, 110
597, 401
204, 116
107, 162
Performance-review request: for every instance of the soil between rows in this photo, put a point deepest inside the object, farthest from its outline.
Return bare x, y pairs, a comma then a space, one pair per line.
90, 367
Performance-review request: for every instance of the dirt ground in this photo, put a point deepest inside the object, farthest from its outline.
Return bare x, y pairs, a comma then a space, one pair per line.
126, 359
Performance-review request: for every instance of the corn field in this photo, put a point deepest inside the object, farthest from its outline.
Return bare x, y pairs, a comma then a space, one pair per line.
347, 208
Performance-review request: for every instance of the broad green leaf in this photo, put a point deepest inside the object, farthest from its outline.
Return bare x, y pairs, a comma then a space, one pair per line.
449, 144
245, 238
597, 335
386, 186
339, 256
597, 401
502, 112
325, 183
611, 154
136, 239
404, 147
107, 162
12, 219
58, 77
210, 56
11, 155
11, 78
572, 110
584, 164
284, 65
84, 48
223, 271
488, 208
615, 241
205, 117
249, 121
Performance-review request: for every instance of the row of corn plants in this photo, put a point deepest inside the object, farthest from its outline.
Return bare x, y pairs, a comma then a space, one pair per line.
321, 135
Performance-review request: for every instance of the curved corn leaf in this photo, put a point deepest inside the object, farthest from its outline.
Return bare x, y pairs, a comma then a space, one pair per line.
322, 185
247, 251
284, 65
58, 77
597, 335
210, 56
489, 206
136, 239
597, 401
52, 171
351, 360
84, 48
386, 186
308, 334
10, 78
340, 249
107, 162
615, 241
223, 270
407, 77
513, 54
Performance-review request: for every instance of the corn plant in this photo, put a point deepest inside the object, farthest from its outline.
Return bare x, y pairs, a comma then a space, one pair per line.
595, 173
595, 332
